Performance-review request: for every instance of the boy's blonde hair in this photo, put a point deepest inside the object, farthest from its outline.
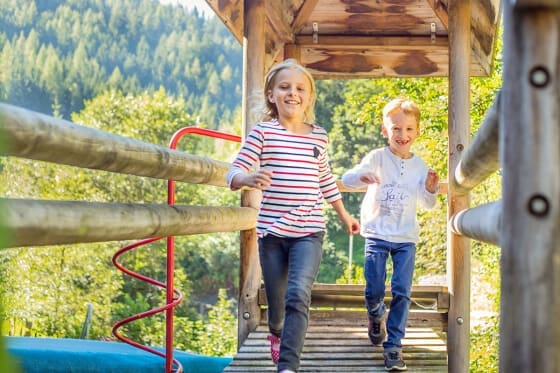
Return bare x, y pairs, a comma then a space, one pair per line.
407, 106
269, 111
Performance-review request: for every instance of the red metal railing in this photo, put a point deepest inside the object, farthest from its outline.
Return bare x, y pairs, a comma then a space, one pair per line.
173, 296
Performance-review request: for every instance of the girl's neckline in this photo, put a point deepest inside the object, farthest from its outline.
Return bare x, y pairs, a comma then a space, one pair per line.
308, 128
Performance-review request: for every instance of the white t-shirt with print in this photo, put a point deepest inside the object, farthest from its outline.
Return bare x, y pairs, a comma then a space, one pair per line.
388, 210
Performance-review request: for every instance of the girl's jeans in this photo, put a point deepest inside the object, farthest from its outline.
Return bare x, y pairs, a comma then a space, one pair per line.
289, 266
403, 255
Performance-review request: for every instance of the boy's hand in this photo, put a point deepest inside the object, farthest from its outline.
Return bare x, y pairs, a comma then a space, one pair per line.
432, 181
369, 178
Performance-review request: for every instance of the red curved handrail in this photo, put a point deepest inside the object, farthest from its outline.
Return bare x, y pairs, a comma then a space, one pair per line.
173, 296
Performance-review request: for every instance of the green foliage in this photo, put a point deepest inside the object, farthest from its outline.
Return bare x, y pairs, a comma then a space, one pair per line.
40, 285
354, 119
61, 57
219, 337
46, 290
352, 275
7, 364
484, 340
56, 54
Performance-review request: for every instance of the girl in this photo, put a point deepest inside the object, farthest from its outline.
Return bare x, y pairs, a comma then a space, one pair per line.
293, 172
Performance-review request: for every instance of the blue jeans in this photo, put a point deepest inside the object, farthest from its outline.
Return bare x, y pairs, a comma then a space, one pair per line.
290, 266
403, 255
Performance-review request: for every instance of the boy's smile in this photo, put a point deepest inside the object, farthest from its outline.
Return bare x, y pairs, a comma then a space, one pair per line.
400, 130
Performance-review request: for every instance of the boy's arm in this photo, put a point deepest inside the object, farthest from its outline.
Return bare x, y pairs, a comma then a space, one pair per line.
430, 189
352, 225
360, 175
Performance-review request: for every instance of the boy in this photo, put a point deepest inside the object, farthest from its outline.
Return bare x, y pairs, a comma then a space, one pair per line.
396, 180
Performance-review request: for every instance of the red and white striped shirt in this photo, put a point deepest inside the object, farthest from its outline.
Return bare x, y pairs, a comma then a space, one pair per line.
292, 206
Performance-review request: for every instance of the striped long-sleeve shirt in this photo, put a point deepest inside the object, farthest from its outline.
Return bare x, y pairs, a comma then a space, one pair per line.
292, 206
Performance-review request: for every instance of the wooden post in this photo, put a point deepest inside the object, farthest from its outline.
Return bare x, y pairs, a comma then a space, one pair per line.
292, 51
253, 76
458, 251
530, 236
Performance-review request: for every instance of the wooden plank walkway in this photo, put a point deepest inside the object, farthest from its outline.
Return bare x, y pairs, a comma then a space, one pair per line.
337, 340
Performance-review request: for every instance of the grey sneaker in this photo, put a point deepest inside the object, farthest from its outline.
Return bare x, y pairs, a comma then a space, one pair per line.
377, 330
394, 361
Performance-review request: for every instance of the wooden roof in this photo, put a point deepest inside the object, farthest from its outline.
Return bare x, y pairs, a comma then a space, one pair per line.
338, 39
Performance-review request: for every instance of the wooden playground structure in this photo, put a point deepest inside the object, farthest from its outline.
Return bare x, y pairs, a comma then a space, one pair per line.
341, 39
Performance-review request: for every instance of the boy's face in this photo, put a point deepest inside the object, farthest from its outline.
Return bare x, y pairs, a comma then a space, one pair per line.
400, 130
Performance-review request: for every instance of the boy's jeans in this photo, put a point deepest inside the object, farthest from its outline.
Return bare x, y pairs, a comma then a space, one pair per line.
289, 266
403, 255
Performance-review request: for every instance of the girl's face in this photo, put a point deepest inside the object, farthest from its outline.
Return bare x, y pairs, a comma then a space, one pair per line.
401, 130
291, 93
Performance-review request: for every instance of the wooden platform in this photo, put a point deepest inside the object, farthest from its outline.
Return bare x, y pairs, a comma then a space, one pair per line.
337, 340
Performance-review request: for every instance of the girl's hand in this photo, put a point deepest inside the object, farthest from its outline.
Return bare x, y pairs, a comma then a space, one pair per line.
369, 178
432, 181
260, 179
352, 225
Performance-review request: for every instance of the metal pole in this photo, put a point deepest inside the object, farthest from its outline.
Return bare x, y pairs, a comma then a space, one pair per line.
350, 254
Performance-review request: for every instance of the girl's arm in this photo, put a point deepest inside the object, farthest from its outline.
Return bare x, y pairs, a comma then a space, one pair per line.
352, 225
260, 179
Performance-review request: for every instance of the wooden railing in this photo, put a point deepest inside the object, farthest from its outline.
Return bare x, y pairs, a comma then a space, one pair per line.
478, 162
40, 222
37, 222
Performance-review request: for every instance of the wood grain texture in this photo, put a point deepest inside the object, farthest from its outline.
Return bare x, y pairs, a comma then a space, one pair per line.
530, 235
39, 223
40, 137
289, 20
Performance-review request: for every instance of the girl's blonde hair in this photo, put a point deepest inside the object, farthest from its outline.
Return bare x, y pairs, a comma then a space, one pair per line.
407, 106
269, 110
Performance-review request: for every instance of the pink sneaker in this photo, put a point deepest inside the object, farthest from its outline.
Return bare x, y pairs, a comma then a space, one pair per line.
274, 348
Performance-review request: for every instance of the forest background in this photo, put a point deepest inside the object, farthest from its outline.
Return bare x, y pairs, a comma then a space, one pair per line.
143, 69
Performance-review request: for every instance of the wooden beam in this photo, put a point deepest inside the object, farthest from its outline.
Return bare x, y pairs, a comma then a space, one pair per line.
485, 16
458, 248
39, 223
279, 22
353, 57
374, 42
292, 51
441, 12
37, 136
303, 15
520, 4
436, 298
231, 14
481, 158
530, 236
482, 223
254, 57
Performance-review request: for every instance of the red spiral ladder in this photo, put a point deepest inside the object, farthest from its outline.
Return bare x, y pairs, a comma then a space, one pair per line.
173, 296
